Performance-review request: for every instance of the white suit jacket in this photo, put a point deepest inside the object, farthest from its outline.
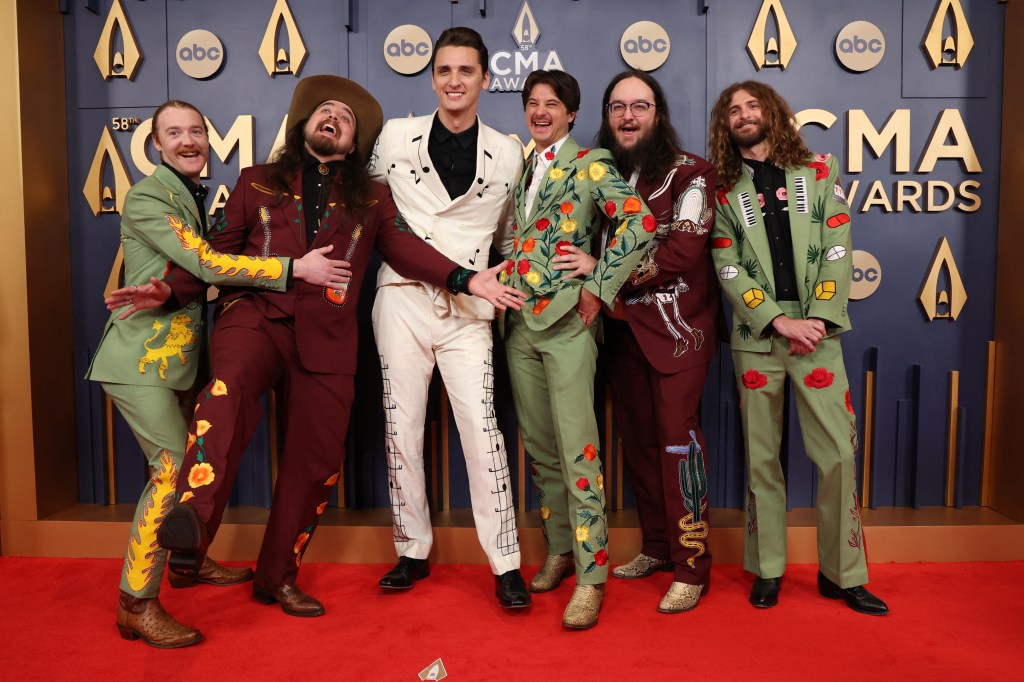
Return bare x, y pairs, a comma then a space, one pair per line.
462, 228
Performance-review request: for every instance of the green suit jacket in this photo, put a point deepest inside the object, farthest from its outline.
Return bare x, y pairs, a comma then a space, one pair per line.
157, 347
819, 221
581, 189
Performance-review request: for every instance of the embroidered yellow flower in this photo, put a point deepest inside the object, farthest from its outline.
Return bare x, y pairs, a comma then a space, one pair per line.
556, 173
596, 171
582, 533
202, 426
581, 176
191, 441
568, 226
502, 276
600, 482
219, 388
545, 513
186, 497
533, 277
622, 228
200, 474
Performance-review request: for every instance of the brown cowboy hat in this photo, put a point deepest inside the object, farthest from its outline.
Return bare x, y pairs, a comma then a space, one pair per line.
314, 90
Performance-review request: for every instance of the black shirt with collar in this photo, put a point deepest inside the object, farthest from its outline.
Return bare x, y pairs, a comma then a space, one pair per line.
454, 156
768, 179
317, 180
197, 191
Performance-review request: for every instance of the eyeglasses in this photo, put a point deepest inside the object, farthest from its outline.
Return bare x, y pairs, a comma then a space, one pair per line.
638, 109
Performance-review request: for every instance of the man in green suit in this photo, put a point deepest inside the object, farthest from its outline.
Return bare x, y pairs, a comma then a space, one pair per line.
561, 203
781, 245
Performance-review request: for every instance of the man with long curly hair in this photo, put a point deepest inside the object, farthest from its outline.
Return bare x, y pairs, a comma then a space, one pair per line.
781, 245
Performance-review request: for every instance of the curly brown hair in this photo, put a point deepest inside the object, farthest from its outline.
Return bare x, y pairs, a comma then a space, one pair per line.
785, 146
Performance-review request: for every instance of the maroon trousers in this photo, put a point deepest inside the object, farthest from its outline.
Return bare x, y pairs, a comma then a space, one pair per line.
250, 354
663, 447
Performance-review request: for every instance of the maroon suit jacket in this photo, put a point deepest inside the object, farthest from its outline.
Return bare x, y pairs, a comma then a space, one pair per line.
325, 332
676, 271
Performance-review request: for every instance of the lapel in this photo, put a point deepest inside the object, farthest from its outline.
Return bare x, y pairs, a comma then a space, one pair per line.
295, 217
486, 162
185, 198
798, 186
520, 191
546, 193
416, 150
744, 203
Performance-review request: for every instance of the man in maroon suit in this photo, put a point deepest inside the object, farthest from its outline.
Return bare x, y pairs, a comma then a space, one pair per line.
302, 341
663, 335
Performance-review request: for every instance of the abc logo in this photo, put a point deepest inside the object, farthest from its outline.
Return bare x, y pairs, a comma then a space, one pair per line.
644, 45
407, 49
867, 275
200, 54
860, 46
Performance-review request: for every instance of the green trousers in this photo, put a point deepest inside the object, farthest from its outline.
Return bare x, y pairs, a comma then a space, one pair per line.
158, 421
552, 372
829, 429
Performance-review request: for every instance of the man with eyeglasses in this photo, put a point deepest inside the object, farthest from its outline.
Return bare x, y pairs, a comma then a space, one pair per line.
662, 335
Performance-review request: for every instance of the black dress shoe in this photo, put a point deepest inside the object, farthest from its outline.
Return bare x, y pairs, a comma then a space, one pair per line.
765, 592
857, 598
185, 535
405, 574
511, 590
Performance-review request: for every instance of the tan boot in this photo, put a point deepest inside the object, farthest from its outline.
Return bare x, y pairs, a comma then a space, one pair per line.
641, 566
211, 573
581, 613
680, 597
146, 619
556, 568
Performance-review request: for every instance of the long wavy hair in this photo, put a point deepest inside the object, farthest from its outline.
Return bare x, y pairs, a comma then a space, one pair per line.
785, 146
352, 182
664, 144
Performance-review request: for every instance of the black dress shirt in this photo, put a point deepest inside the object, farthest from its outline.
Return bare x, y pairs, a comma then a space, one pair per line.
768, 180
454, 156
317, 179
197, 191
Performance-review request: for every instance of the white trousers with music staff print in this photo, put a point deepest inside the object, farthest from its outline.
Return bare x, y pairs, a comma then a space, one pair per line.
413, 335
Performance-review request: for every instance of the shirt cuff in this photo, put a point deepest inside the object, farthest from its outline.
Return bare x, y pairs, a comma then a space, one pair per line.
458, 280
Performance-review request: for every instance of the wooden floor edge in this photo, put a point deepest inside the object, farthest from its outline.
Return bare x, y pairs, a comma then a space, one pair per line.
373, 544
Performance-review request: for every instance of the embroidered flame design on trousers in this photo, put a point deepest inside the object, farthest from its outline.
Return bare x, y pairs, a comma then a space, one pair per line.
141, 559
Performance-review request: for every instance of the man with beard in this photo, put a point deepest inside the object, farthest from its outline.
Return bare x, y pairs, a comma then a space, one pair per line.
452, 179
663, 336
781, 244
301, 342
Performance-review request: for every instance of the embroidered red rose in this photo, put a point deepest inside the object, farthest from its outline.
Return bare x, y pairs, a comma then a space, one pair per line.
509, 267
754, 380
560, 247
649, 223
781, 194
632, 205
543, 224
524, 267
515, 227
582, 483
566, 207
819, 378
601, 558
820, 170
529, 244
581, 153
849, 405
721, 243
610, 208
549, 155
589, 452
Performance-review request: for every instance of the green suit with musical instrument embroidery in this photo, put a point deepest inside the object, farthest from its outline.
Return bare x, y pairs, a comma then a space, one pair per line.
552, 354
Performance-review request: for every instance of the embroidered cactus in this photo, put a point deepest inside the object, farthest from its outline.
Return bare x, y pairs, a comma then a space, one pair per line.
693, 482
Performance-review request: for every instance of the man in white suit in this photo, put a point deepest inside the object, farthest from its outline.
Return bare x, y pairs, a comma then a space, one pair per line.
452, 179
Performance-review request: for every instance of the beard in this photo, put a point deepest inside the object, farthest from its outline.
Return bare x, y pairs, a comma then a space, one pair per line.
629, 159
755, 137
322, 146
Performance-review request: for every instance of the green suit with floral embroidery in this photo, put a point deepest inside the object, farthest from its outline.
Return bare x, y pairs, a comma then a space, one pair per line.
552, 354
819, 223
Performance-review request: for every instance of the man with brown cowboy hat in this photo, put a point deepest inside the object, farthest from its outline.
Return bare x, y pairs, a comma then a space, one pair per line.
315, 193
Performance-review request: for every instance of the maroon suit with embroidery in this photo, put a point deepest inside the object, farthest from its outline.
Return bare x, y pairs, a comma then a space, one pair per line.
662, 351
302, 342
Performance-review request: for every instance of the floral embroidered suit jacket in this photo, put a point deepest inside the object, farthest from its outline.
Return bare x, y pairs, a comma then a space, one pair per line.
581, 189
819, 221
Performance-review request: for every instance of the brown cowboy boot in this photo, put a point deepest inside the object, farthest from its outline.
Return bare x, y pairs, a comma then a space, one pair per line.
147, 619
556, 568
210, 573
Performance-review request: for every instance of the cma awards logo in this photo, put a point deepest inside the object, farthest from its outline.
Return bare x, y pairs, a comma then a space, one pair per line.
98, 193
943, 297
510, 69
771, 43
117, 53
276, 59
948, 40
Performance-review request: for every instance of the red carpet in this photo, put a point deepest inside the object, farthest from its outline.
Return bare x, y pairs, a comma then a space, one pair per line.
948, 622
